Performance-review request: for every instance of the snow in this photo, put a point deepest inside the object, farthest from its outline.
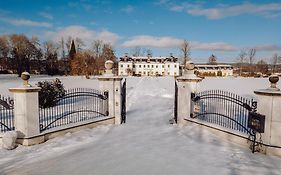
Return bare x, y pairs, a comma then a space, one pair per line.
146, 144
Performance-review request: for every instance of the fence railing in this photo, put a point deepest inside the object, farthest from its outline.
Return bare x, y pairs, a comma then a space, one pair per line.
76, 105
223, 108
6, 114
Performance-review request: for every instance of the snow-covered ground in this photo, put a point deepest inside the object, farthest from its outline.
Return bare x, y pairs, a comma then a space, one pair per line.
146, 144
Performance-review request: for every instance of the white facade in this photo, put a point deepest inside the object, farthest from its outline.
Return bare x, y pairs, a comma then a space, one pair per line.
226, 70
148, 66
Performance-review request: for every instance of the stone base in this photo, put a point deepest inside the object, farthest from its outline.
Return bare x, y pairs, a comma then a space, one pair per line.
273, 151
31, 141
56, 132
223, 133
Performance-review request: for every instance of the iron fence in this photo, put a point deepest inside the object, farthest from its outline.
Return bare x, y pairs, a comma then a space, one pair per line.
79, 104
6, 114
223, 108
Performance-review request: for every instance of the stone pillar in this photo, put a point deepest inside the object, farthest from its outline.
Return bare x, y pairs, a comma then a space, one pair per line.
269, 104
112, 84
187, 84
26, 112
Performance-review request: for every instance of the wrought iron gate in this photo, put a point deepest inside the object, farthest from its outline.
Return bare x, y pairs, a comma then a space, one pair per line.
123, 102
226, 109
176, 103
76, 105
6, 114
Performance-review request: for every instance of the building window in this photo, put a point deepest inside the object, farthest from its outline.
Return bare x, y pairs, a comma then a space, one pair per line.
162, 73
139, 65
148, 66
144, 66
168, 65
128, 65
175, 73
134, 66
162, 66
168, 73
121, 65
175, 66
156, 66
151, 66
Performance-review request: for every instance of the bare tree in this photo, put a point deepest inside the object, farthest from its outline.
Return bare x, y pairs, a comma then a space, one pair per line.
136, 52
251, 54
4, 51
262, 66
149, 52
62, 47
79, 44
185, 50
97, 47
68, 43
51, 56
274, 60
23, 50
241, 60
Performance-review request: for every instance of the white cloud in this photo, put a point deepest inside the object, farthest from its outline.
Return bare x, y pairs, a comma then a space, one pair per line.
268, 47
177, 8
224, 10
150, 41
128, 9
85, 34
25, 22
216, 46
46, 15
171, 42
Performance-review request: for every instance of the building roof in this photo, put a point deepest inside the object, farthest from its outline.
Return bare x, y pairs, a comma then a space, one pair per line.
148, 59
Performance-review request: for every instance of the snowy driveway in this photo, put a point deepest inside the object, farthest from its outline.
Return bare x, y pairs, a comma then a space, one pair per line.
146, 144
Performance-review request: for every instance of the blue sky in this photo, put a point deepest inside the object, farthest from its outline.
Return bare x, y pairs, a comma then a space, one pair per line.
217, 27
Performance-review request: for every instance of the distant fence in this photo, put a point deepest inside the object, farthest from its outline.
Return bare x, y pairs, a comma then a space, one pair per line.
6, 114
76, 105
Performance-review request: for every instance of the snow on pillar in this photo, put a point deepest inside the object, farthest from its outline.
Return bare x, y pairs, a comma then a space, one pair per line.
112, 84
269, 104
187, 84
26, 111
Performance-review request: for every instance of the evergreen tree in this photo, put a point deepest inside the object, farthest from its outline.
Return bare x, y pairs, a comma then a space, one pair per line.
72, 51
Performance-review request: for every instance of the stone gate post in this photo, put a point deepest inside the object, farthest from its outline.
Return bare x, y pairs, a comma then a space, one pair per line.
187, 84
112, 84
269, 104
26, 112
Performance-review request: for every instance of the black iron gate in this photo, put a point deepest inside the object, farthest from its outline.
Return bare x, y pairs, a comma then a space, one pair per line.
228, 110
77, 105
123, 102
176, 103
6, 114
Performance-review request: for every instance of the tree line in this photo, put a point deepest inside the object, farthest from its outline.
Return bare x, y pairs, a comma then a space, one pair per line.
20, 53
246, 64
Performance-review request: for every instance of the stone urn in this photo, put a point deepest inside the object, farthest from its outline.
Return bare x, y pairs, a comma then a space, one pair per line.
189, 65
25, 76
108, 67
273, 81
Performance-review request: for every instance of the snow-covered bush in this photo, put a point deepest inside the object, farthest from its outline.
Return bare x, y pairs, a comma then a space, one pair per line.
51, 92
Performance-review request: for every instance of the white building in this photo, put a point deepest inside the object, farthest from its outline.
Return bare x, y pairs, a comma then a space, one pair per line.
214, 69
148, 66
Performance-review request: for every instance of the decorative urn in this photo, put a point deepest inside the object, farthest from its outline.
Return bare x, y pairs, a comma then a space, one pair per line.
25, 76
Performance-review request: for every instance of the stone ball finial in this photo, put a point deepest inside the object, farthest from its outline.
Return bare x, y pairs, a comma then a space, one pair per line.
189, 65
108, 65
273, 81
25, 76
